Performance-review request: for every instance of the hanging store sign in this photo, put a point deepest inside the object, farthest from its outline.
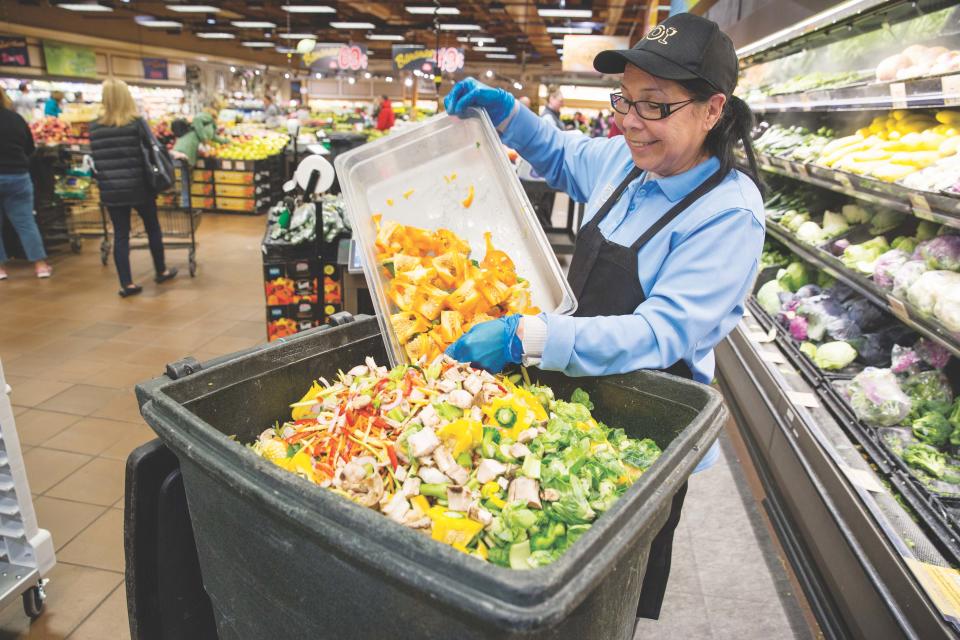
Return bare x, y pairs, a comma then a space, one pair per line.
579, 51
415, 57
155, 69
69, 60
14, 53
337, 57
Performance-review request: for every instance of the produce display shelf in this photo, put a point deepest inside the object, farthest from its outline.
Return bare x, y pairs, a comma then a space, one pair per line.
927, 205
864, 558
901, 309
934, 511
916, 93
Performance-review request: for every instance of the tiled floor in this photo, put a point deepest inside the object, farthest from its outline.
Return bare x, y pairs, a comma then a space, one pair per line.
72, 350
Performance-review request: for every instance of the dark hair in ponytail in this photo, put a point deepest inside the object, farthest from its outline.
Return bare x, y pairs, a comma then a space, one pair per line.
735, 125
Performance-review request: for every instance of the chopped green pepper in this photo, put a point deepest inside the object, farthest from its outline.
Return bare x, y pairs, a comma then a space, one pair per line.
506, 417
434, 490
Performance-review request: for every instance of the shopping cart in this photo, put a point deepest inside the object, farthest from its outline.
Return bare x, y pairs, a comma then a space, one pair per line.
178, 220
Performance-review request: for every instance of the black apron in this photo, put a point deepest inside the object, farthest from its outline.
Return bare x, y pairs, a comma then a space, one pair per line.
604, 277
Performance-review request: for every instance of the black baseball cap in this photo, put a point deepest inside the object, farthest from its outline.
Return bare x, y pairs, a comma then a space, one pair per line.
682, 47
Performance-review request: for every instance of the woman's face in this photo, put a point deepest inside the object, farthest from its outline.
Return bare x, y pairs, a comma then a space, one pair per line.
676, 143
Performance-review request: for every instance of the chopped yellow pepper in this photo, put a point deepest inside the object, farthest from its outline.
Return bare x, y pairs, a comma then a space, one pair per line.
469, 199
301, 412
450, 527
407, 194
489, 490
464, 433
421, 504
522, 416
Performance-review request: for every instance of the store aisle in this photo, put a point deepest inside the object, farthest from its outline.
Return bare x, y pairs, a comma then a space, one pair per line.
72, 350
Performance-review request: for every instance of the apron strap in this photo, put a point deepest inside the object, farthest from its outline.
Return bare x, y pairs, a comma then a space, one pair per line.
614, 197
706, 186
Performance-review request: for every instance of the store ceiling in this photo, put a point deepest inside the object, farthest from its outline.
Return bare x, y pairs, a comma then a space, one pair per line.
530, 31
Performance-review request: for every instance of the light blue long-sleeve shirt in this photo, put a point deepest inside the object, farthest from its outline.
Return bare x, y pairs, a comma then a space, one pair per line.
695, 272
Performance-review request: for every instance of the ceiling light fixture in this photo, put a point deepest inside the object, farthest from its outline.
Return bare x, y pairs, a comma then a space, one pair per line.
367, 75
294, 36
389, 78
384, 36
565, 13
193, 8
501, 56
91, 7
353, 25
429, 11
408, 82
489, 73
308, 8
286, 76
491, 49
518, 86
160, 24
254, 24
352, 80
557, 41
257, 44
450, 26
216, 35
575, 30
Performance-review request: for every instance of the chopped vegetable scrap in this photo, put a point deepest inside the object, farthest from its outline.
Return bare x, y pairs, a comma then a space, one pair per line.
438, 292
505, 473
469, 199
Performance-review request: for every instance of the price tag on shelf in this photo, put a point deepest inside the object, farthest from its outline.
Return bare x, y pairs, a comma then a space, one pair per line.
772, 356
898, 308
803, 399
863, 479
898, 95
942, 584
226, 165
950, 85
74, 147
843, 179
805, 102
920, 203
802, 171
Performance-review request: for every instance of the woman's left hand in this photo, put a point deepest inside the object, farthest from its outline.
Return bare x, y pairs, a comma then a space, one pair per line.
490, 345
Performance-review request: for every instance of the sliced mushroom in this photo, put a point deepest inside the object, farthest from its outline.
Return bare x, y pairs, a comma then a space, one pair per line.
360, 402
550, 495
460, 398
525, 490
453, 374
527, 435
446, 385
428, 416
476, 413
478, 513
489, 470
458, 499
473, 384
449, 466
432, 475
518, 450
397, 508
411, 487
423, 442
400, 473
415, 520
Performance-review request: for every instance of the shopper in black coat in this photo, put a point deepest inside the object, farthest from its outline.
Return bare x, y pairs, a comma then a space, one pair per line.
115, 140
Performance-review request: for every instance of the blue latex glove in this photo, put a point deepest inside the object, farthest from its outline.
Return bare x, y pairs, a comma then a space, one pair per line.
471, 93
490, 345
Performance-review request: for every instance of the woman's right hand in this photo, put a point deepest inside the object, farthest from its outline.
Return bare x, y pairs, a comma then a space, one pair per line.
472, 93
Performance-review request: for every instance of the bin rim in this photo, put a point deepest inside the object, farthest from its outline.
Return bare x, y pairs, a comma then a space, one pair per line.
506, 598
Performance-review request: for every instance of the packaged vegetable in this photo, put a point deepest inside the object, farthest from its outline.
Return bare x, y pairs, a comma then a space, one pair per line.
876, 398
886, 267
926, 230
933, 353
885, 220
798, 328
855, 214
925, 291
947, 309
932, 428
505, 473
834, 224
928, 391
904, 243
861, 257
906, 276
833, 356
810, 232
904, 360
941, 252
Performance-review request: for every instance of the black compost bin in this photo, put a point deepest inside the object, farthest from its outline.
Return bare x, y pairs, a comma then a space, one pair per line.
283, 558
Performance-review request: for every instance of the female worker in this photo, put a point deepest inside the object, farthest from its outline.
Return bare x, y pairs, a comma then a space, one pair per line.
672, 233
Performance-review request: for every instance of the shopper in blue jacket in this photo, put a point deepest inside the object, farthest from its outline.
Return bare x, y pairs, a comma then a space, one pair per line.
672, 232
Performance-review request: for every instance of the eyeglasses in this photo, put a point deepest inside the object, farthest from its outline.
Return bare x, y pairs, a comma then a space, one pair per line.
644, 108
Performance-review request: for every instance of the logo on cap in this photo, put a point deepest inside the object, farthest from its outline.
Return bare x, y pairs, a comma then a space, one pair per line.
660, 33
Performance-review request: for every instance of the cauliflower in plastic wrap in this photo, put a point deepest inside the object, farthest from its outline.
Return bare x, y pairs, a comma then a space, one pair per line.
886, 267
877, 399
947, 309
906, 276
927, 289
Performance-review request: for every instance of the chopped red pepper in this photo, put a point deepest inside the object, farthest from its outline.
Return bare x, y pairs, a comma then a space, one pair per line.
351, 417
297, 437
305, 421
393, 456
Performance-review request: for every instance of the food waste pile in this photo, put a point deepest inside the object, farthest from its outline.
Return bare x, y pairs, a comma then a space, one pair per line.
495, 466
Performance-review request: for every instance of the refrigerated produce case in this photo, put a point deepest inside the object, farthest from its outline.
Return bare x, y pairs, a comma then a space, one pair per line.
854, 109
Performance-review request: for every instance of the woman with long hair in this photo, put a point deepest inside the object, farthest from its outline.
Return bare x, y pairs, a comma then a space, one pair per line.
16, 187
115, 140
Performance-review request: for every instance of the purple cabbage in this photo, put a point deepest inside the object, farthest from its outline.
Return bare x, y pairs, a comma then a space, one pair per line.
933, 353
904, 360
940, 253
838, 247
886, 267
798, 328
